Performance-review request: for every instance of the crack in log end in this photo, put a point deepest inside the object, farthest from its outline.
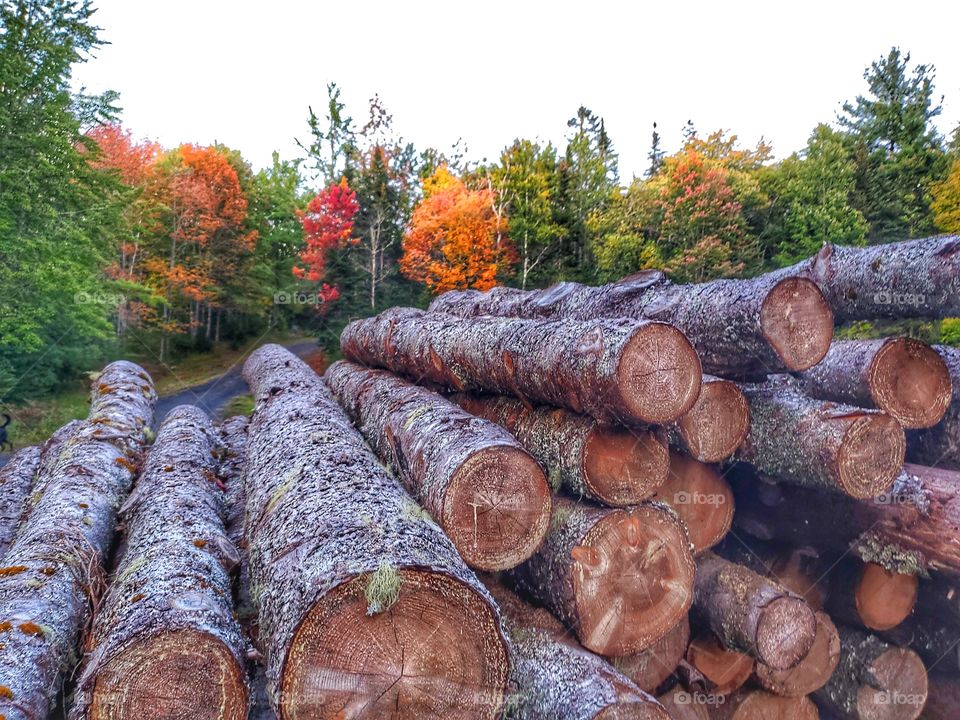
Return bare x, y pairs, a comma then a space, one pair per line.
910, 381
658, 374
640, 586
884, 599
624, 466
718, 422
651, 666
871, 456
176, 674
786, 629
497, 508
438, 652
797, 322
898, 690
813, 671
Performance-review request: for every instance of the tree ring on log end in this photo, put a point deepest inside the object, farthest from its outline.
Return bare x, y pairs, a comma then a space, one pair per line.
624, 466
797, 322
871, 456
899, 691
497, 508
718, 422
884, 599
760, 705
659, 374
786, 629
437, 652
811, 673
173, 674
638, 582
910, 381
637, 710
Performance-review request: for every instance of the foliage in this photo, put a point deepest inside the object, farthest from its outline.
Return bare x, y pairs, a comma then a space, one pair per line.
946, 201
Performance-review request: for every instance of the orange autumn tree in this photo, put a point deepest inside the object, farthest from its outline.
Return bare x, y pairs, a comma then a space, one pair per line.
455, 239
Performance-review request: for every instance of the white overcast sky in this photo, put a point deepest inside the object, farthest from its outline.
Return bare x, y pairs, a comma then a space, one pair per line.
242, 73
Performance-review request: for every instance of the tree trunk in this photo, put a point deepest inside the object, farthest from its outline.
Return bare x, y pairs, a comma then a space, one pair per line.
16, 481
358, 592
485, 491
752, 614
606, 463
813, 671
55, 565
620, 579
167, 616
649, 668
874, 680
940, 444
723, 670
617, 370
716, 425
753, 704
557, 679
911, 529
796, 439
904, 378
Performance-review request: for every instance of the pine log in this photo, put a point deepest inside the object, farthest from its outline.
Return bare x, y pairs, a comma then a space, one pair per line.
904, 378
620, 579
557, 679
651, 667
55, 565
364, 605
610, 464
869, 595
813, 671
723, 670
16, 481
738, 327
165, 641
716, 425
874, 680
753, 704
913, 529
683, 705
909, 279
701, 498
794, 438
752, 614
939, 446
485, 491
616, 370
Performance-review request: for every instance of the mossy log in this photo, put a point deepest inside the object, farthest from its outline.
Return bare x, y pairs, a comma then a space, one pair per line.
904, 378
621, 579
487, 493
751, 614
939, 445
716, 425
364, 604
616, 370
16, 482
797, 439
649, 668
54, 567
754, 704
165, 641
813, 671
739, 327
609, 464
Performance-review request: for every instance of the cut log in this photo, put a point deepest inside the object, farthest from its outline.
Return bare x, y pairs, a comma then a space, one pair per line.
813, 671
16, 481
609, 464
55, 564
716, 425
753, 704
739, 327
364, 605
933, 629
557, 679
797, 439
912, 529
874, 680
904, 378
702, 499
616, 370
870, 595
621, 579
486, 492
752, 614
165, 641
683, 705
939, 446
651, 667
723, 670
799, 570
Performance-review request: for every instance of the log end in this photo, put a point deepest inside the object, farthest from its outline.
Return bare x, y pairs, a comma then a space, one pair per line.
909, 380
702, 499
178, 673
884, 599
871, 456
899, 688
650, 667
797, 322
637, 710
436, 651
623, 466
786, 630
811, 673
496, 509
659, 374
724, 669
632, 580
761, 705
718, 422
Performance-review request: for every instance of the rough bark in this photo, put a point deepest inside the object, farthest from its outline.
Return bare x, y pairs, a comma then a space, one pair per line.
615, 370
55, 564
620, 579
720, 670
16, 481
360, 595
555, 678
649, 668
165, 640
739, 327
794, 438
753, 704
874, 680
609, 464
904, 378
752, 614
869, 595
939, 446
716, 425
913, 528
813, 671
800, 570
488, 494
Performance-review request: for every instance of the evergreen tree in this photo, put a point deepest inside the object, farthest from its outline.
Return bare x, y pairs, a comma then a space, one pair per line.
656, 154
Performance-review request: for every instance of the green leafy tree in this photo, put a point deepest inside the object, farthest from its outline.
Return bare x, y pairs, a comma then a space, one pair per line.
624, 232
332, 139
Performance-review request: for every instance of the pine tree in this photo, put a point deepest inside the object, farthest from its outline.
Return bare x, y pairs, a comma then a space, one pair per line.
656, 154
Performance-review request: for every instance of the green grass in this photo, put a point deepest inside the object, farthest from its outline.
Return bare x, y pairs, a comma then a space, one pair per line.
240, 405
